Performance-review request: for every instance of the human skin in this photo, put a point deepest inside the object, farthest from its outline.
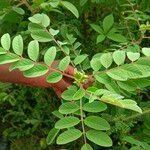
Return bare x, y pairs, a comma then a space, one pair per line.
17, 77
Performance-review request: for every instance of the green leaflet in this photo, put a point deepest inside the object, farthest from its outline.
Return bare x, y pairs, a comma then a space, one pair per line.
82, 2
6, 41
68, 108
69, 136
106, 60
142, 83
102, 78
118, 74
73, 93
2, 51
42, 19
50, 55
143, 65
36, 71
108, 22
95, 64
33, 50
41, 36
97, 28
64, 63
17, 45
53, 32
57, 114
133, 56
128, 104
119, 57
132, 71
79, 59
52, 135
70, 7
117, 37
146, 51
131, 140
127, 85
66, 122
78, 94
100, 38
68, 94
86, 147
100, 138
35, 27
54, 77
8, 58
94, 107
96, 123
22, 65
18, 10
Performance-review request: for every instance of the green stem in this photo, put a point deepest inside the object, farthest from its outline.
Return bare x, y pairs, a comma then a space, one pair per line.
82, 121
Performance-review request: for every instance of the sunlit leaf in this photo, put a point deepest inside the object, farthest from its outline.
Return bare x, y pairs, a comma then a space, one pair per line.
6, 41
17, 45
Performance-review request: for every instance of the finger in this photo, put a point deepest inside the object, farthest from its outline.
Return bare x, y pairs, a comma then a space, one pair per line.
58, 93
70, 70
62, 85
89, 81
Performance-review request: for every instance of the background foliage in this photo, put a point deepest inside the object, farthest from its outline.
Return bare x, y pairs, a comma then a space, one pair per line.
99, 37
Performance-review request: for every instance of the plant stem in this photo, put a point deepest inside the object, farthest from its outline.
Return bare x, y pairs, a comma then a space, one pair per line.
82, 121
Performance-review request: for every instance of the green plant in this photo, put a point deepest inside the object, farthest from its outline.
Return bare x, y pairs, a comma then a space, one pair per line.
119, 74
